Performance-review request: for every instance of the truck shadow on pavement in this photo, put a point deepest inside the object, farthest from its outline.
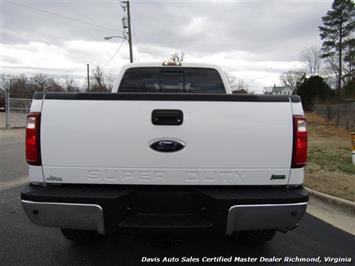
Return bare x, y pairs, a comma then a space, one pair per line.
126, 250
313, 238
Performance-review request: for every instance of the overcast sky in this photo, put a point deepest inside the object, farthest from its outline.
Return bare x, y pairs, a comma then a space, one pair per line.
255, 40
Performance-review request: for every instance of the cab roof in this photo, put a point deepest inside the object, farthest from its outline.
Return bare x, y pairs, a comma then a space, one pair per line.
157, 64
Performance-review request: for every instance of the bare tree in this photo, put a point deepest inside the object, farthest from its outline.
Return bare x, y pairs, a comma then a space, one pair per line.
97, 83
101, 81
242, 86
110, 81
292, 78
55, 86
176, 58
40, 83
238, 86
311, 56
232, 80
70, 85
21, 87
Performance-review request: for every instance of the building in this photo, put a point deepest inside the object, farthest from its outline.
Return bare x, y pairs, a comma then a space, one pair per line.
278, 90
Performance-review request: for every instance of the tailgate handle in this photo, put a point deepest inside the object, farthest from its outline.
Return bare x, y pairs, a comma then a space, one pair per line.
167, 117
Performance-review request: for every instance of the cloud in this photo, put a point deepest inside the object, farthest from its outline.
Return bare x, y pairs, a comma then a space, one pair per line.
196, 26
35, 57
255, 39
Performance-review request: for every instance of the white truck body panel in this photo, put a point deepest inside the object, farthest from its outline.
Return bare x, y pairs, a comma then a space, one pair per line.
107, 142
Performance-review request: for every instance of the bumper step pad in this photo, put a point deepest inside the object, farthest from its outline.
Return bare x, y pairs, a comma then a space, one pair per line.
142, 220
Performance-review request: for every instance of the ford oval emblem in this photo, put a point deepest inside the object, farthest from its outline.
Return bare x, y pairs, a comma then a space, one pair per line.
167, 146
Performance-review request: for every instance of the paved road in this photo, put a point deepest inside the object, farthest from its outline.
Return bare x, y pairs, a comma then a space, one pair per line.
15, 120
12, 155
22, 243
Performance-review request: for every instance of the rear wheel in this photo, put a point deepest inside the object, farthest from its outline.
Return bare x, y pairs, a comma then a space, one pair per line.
80, 236
256, 237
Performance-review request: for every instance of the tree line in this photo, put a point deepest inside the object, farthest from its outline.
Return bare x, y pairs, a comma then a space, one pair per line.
333, 64
24, 86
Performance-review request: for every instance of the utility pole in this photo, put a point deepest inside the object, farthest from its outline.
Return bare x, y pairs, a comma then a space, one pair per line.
129, 33
126, 23
7, 88
88, 76
7, 107
127, 30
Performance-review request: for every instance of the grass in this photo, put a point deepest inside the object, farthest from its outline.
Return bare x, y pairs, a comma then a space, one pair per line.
329, 167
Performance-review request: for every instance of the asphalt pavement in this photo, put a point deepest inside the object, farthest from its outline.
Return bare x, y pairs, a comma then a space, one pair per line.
22, 243
12, 155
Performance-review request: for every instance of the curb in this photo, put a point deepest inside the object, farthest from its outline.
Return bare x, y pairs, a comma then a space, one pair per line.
345, 205
14, 183
6, 129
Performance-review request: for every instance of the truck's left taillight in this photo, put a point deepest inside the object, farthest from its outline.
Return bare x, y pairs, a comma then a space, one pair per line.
33, 147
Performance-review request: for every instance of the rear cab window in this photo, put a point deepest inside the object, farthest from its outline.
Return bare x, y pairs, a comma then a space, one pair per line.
172, 79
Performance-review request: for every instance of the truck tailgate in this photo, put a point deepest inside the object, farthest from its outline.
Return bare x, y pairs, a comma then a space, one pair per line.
107, 141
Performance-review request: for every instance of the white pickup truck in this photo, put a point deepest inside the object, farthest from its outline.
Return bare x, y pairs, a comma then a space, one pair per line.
170, 150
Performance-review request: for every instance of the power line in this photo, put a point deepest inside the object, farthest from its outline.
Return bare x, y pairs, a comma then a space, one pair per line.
135, 36
59, 15
114, 54
104, 65
75, 20
67, 71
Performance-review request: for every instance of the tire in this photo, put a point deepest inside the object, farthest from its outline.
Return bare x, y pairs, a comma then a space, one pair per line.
80, 236
256, 237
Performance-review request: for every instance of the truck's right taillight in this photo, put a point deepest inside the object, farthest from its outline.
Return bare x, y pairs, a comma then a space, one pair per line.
299, 155
33, 150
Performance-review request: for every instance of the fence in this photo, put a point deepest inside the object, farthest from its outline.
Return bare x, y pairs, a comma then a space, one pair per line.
15, 114
342, 114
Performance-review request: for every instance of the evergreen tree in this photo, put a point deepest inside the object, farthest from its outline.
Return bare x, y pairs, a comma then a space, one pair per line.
349, 59
314, 89
337, 33
349, 90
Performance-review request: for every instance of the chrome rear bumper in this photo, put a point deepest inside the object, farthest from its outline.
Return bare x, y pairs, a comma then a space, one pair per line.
107, 209
264, 216
66, 215
239, 218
